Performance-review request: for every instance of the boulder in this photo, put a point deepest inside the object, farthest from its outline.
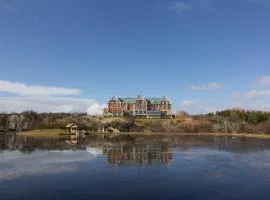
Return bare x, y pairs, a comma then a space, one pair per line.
112, 130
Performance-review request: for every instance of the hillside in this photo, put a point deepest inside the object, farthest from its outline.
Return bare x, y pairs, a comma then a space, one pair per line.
236, 122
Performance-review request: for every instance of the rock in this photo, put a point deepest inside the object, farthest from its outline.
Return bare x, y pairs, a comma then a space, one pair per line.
112, 130
82, 133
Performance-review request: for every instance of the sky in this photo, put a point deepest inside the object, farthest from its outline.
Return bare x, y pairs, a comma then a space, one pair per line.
73, 55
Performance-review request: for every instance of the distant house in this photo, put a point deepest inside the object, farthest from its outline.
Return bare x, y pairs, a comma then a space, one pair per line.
139, 107
72, 128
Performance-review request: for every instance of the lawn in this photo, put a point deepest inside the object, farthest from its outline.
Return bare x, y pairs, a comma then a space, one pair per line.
44, 132
62, 132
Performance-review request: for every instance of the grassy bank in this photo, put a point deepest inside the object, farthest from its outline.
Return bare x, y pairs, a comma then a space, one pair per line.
252, 135
62, 132
43, 132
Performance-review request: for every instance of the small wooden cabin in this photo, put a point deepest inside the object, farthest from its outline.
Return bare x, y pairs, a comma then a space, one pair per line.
72, 128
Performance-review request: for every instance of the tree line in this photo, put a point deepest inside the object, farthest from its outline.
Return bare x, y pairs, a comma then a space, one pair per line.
234, 115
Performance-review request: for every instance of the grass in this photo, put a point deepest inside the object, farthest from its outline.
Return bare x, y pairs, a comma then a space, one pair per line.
61, 132
44, 132
252, 135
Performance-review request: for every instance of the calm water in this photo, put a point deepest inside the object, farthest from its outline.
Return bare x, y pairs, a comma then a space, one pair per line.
130, 167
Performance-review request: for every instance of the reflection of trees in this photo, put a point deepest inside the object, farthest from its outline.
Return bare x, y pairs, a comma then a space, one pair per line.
148, 149
7, 141
29, 144
230, 144
138, 154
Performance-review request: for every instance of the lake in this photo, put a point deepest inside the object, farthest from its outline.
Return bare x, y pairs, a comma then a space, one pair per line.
134, 167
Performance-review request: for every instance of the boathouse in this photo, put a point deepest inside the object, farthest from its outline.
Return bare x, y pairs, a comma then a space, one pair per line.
72, 128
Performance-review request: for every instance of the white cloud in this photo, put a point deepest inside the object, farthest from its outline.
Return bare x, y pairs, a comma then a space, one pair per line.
196, 107
188, 102
264, 81
180, 7
94, 151
23, 89
260, 90
45, 99
201, 108
249, 103
207, 87
255, 99
15, 164
251, 95
206, 107
45, 104
95, 109
255, 94
64, 108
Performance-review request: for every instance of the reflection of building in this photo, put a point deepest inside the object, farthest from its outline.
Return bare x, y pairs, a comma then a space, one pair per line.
73, 134
139, 107
139, 154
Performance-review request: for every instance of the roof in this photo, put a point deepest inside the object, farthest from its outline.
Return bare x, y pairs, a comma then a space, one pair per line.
154, 100
128, 99
133, 100
115, 98
151, 100
70, 125
166, 99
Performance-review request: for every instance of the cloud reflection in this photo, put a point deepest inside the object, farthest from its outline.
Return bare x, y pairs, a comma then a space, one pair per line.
15, 164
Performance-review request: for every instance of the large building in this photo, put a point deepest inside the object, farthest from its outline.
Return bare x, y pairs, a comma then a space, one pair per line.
139, 107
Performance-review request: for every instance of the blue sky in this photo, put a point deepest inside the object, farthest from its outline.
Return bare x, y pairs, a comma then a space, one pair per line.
203, 54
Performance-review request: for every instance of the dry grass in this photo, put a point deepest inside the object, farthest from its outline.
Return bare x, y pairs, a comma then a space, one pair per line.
253, 135
60, 132
43, 132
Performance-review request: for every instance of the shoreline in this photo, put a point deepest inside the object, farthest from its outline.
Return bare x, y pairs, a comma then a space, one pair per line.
60, 132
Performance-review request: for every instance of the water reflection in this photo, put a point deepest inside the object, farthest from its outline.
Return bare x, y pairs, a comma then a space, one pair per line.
148, 167
138, 154
139, 149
